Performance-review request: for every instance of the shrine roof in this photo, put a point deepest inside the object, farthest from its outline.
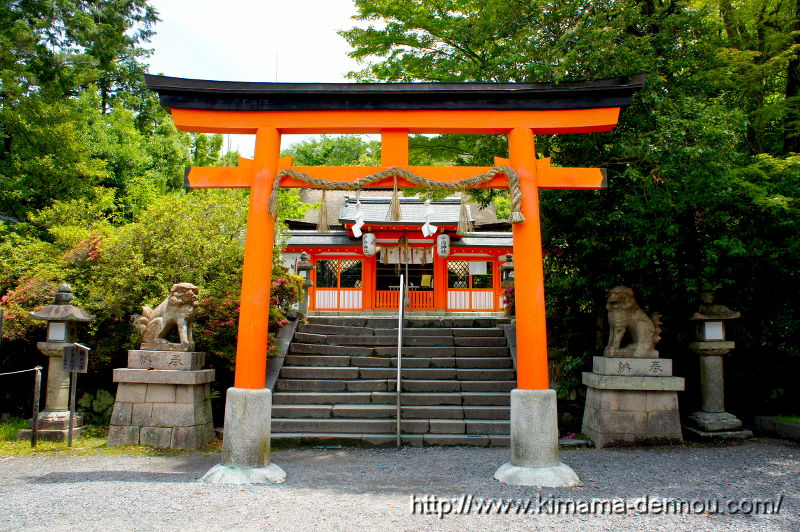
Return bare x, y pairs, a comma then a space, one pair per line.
412, 211
257, 96
346, 238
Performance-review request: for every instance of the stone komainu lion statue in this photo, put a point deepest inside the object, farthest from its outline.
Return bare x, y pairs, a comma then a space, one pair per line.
177, 311
625, 316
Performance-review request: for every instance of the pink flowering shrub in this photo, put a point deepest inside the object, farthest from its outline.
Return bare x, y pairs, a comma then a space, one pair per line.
509, 300
29, 295
87, 250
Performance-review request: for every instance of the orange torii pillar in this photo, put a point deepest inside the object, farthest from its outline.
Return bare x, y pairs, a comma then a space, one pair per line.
535, 457
395, 110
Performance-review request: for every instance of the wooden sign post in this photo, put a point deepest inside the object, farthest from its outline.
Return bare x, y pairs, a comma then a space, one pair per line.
75, 360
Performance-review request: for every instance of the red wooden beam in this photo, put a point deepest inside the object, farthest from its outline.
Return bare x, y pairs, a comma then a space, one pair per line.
373, 121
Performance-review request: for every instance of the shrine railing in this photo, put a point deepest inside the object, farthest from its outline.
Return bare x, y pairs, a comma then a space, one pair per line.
470, 299
338, 299
418, 299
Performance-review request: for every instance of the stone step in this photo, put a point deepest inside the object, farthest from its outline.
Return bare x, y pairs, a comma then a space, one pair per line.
388, 385
483, 332
482, 351
318, 360
370, 411
411, 341
351, 372
389, 439
304, 372
387, 362
485, 374
317, 349
318, 398
317, 328
331, 385
468, 399
310, 338
428, 351
409, 373
419, 386
415, 331
408, 362
485, 398
442, 351
336, 425
419, 399
386, 340
410, 399
409, 426
485, 363
479, 341
389, 411
367, 373
502, 413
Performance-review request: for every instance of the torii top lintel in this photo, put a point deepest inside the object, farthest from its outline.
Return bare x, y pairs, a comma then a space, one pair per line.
490, 108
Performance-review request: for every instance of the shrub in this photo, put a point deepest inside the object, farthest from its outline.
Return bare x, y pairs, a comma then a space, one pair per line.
508, 300
96, 409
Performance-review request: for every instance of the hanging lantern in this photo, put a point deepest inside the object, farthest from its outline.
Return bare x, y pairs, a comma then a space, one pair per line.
368, 244
443, 245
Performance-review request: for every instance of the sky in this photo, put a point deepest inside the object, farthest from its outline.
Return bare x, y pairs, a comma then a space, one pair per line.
253, 40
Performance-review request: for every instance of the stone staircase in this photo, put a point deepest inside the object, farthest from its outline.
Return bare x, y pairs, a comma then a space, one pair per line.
337, 384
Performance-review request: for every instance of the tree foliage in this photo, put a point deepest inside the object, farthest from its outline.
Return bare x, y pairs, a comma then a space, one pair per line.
91, 189
703, 184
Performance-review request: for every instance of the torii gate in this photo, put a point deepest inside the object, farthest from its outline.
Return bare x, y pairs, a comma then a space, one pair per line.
394, 111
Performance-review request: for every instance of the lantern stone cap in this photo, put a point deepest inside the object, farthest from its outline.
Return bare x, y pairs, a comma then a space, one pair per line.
710, 311
60, 310
303, 264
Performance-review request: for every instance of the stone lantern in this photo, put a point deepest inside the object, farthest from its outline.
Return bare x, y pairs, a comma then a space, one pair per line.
712, 421
507, 272
62, 319
304, 269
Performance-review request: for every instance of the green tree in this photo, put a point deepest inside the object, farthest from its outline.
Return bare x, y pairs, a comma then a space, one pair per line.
328, 150
687, 204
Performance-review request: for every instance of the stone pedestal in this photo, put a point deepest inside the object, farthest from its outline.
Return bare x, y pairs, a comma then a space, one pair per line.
632, 401
712, 421
163, 400
246, 446
54, 419
53, 426
535, 457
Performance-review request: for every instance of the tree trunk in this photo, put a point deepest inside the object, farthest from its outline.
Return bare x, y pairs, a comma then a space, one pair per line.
731, 29
791, 127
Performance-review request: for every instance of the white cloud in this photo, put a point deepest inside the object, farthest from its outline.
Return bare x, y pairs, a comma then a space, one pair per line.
253, 40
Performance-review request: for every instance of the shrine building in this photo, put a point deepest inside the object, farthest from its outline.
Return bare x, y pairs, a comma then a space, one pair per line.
362, 273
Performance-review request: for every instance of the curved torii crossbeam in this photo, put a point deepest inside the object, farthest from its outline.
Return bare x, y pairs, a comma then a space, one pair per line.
394, 111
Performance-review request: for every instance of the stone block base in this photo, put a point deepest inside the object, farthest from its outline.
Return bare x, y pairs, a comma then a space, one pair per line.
246, 447
696, 434
534, 443
222, 474
617, 417
53, 426
776, 427
56, 435
558, 476
162, 408
714, 421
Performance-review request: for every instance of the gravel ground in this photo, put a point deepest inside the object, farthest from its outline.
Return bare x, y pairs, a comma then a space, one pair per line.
371, 489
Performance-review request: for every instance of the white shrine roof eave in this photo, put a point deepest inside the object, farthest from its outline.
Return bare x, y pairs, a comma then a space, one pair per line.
301, 238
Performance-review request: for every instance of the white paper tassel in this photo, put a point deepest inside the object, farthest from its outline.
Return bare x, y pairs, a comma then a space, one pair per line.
427, 228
